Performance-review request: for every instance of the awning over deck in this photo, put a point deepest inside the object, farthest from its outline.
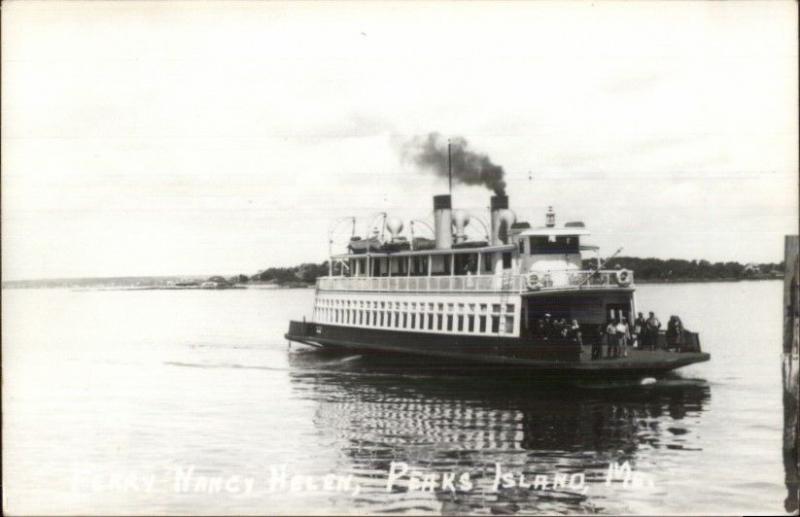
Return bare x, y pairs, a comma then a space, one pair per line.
417, 253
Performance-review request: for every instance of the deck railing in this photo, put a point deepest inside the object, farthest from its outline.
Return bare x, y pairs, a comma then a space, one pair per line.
549, 281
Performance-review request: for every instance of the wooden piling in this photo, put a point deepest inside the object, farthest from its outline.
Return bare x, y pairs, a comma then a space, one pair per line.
791, 369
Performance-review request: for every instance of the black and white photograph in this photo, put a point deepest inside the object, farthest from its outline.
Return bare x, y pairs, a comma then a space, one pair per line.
399, 258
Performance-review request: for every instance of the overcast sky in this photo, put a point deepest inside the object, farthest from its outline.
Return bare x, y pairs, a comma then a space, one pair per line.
199, 138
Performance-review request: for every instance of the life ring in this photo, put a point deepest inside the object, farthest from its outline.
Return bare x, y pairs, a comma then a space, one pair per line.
533, 281
624, 277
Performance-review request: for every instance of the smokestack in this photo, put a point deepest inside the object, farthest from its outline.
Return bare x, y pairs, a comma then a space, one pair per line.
499, 231
442, 221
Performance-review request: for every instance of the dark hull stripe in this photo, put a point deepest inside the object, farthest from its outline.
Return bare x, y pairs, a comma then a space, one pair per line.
561, 357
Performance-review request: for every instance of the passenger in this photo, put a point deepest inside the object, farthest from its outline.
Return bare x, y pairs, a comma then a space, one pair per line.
471, 266
674, 333
638, 331
575, 332
623, 337
611, 339
651, 331
670, 333
562, 328
557, 329
547, 325
538, 328
679, 330
597, 343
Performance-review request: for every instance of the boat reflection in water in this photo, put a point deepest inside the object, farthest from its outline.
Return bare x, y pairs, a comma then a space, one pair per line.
384, 410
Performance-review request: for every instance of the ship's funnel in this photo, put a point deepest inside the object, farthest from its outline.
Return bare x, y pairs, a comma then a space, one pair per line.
442, 221
502, 219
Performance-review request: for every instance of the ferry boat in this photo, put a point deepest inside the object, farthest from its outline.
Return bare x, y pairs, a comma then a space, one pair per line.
489, 302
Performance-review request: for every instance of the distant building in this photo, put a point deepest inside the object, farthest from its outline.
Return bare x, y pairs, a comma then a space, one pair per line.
752, 269
215, 282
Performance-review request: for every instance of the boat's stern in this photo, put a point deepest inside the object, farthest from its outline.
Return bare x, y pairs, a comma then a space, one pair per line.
302, 332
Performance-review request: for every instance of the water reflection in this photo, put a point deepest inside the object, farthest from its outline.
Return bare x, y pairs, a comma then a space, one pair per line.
381, 411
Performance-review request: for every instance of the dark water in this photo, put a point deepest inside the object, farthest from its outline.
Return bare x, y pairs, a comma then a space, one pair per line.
139, 402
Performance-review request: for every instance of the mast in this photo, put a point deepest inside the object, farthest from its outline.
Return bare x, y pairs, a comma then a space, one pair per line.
449, 170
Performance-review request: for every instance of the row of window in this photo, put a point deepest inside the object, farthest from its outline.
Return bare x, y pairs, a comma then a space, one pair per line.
426, 265
496, 308
552, 245
469, 318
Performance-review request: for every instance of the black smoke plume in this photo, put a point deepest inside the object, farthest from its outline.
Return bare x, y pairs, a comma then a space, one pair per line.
469, 167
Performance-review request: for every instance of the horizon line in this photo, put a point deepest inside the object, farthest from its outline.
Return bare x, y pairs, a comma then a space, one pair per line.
206, 275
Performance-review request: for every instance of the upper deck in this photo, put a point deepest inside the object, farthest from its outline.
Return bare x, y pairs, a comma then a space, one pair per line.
510, 283
514, 258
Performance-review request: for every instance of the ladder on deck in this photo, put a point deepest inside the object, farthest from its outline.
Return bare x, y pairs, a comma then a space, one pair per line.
506, 284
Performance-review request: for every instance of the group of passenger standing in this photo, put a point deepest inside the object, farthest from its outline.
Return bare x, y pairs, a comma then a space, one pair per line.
648, 329
549, 328
618, 338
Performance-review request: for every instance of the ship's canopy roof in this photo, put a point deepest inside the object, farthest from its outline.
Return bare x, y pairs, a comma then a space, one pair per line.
448, 251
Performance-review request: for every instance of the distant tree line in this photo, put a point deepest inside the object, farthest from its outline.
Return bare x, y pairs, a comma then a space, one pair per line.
655, 269
305, 273
645, 269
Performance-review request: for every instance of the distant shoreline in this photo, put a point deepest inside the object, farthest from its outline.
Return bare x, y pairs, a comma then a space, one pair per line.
646, 271
107, 284
703, 280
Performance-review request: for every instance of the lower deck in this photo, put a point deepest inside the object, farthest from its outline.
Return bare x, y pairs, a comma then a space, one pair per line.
489, 314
